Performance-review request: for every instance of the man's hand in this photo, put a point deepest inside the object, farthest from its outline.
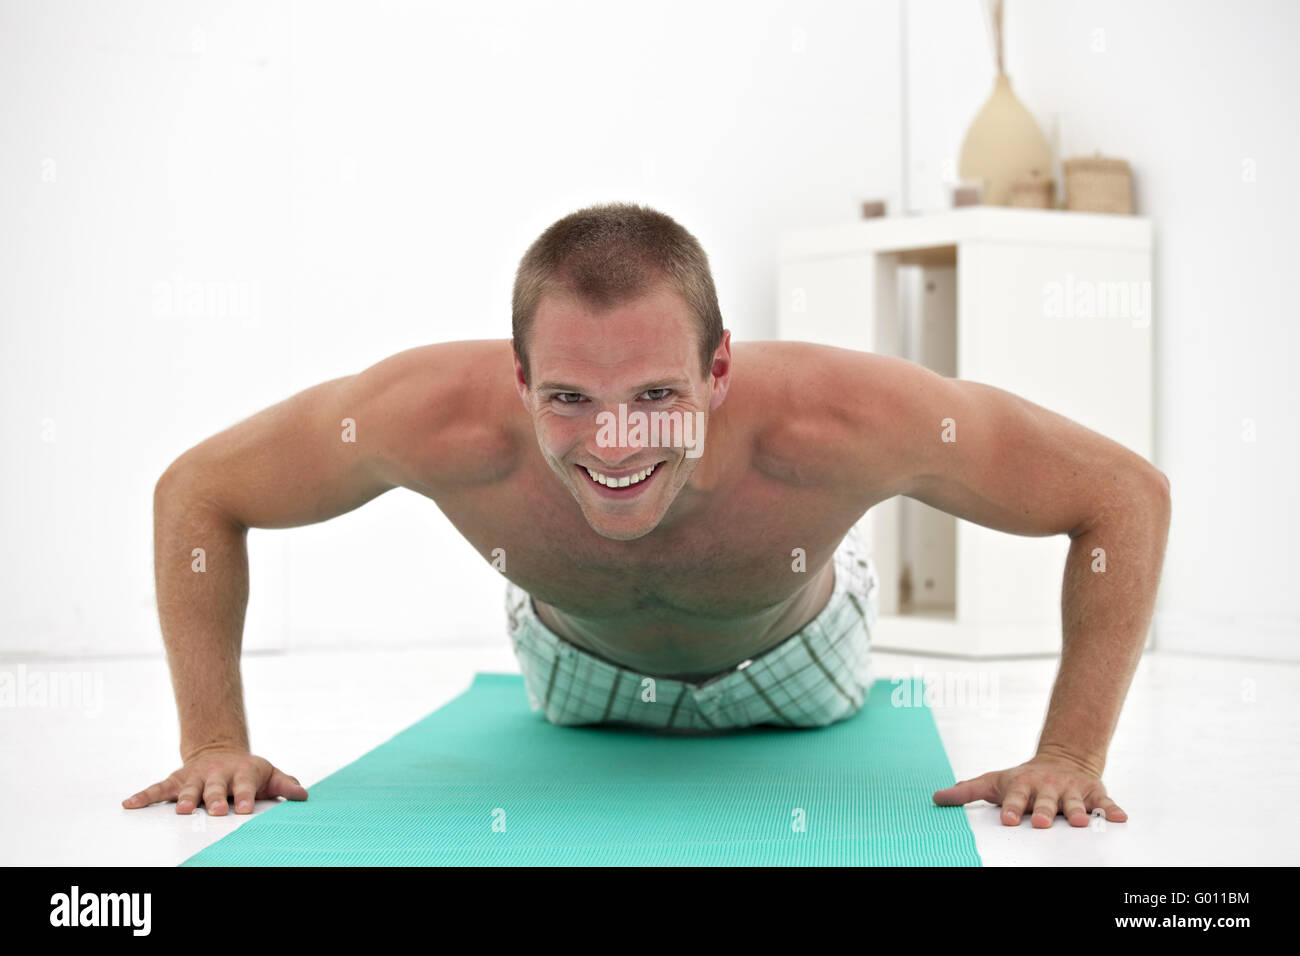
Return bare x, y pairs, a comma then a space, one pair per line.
212, 776
1048, 783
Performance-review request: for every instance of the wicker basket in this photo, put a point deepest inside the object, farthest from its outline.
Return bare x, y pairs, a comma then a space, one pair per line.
1032, 192
1098, 184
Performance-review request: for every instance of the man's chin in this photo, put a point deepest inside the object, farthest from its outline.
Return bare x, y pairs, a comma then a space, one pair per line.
624, 530
619, 528
622, 534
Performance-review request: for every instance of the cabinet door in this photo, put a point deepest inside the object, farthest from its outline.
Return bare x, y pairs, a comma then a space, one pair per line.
1067, 327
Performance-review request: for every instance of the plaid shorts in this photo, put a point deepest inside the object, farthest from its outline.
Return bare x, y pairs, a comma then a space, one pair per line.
814, 678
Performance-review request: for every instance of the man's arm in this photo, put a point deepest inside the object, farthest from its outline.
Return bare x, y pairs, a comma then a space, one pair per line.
295, 463
1018, 467
285, 466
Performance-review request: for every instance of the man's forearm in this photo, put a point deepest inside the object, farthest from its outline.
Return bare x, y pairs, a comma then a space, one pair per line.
201, 603
1105, 617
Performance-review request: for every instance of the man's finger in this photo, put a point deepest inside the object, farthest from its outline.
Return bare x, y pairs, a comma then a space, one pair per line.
281, 784
1013, 805
244, 786
187, 797
1046, 803
1113, 812
162, 790
214, 794
966, 791
1072, 807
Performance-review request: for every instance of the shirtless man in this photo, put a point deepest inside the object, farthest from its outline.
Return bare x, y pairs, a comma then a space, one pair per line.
685, 576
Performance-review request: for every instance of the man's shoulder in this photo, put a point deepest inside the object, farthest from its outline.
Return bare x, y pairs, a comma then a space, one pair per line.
805, 354
822, 381
821, 411
441, 358
448, 411
447, 383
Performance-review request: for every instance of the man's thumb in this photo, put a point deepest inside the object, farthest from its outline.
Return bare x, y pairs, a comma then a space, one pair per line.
283, 785
977, 788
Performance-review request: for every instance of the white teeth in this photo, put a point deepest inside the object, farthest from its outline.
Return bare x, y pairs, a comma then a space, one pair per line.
625, 480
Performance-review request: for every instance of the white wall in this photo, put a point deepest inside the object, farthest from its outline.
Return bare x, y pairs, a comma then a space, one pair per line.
1201, 98
143, 230
209, 206
248, 199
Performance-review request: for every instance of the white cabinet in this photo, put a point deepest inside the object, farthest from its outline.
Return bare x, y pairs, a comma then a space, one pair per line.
1053, 306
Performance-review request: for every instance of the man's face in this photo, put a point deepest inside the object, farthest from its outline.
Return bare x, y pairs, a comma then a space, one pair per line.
643, 355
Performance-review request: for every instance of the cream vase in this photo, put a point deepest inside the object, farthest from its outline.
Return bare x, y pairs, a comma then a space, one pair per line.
1002, 145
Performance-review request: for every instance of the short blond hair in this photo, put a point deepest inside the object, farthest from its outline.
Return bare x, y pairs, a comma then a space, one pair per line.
611, 253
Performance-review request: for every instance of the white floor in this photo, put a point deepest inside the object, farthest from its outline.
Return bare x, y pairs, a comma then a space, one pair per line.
1205, 760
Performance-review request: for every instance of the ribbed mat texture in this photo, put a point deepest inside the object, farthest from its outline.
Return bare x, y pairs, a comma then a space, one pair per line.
485, 781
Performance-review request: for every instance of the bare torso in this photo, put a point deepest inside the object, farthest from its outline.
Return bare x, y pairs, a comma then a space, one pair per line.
689, 600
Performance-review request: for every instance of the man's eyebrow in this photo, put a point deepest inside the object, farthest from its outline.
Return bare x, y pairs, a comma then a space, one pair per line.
655, 383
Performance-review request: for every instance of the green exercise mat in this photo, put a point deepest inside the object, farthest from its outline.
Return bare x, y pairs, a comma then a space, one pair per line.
485, 781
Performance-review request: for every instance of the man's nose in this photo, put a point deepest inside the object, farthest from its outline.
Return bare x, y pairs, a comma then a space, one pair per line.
617, 438
616, 458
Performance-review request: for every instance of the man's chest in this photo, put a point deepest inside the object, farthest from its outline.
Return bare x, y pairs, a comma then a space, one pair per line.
751, 550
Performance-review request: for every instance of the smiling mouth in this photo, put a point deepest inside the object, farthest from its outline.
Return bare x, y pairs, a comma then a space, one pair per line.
623, 486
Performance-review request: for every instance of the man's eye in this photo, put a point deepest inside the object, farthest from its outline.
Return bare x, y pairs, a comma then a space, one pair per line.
657, 397
567, 398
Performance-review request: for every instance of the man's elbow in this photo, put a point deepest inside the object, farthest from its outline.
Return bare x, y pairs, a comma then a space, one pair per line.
1159, 483
176, 486
1162, 483
1147, 489
165, 485
176, 476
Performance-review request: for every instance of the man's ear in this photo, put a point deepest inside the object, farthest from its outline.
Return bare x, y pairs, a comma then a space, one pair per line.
521, 381
720, 372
